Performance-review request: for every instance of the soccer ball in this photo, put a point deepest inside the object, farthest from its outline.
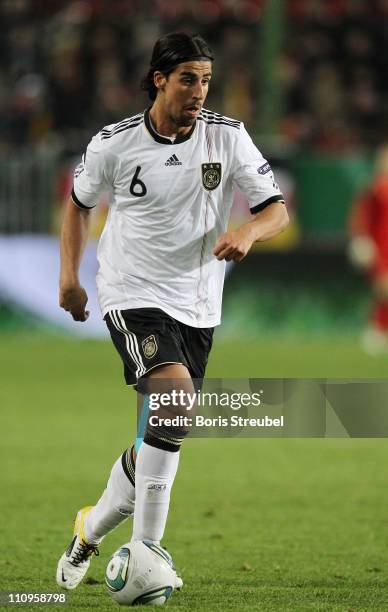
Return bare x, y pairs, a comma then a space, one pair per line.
140, 573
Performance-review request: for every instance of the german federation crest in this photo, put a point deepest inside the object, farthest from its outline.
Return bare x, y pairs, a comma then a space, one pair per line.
149, 347
211, 175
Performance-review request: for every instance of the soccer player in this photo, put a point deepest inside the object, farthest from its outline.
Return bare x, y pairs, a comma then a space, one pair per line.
369, 250
170, 172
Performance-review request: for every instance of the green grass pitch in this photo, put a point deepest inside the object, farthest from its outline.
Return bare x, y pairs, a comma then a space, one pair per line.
255, 524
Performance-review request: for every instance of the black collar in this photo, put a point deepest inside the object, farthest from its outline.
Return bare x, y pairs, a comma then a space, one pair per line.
162, 139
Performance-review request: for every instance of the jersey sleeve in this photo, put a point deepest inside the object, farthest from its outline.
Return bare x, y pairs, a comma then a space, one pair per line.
90, 176
253, 174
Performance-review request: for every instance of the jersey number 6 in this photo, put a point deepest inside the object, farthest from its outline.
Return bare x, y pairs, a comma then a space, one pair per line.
137, 187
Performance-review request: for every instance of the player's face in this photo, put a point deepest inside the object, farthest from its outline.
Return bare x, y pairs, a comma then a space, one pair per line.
185, 90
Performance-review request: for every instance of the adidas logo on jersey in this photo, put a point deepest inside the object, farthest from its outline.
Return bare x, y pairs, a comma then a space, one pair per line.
173, 161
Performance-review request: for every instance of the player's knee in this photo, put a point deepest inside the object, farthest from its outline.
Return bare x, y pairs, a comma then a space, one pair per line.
171, 409
164, 379
171, 396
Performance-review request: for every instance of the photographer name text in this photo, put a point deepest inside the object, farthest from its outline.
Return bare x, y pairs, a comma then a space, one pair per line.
219, 421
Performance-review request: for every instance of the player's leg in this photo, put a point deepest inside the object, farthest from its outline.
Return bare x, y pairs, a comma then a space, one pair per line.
156, 467
158, 457
116, 503
93, 523
117, 500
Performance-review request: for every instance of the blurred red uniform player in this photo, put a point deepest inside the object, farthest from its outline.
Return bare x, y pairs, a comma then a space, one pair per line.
369, 249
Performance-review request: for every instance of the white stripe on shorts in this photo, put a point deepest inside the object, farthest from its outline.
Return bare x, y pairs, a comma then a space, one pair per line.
130, 341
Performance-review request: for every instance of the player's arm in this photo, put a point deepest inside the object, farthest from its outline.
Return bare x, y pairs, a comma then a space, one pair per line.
89, 182
74, 236
265, 225
253, 175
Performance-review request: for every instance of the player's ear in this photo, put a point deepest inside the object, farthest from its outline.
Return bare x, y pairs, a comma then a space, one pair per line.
159, 80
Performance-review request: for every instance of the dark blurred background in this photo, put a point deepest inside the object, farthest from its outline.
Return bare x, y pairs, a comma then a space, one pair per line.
69, 67
309, 79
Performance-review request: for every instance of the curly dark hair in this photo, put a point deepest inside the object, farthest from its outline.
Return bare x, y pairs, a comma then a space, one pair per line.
171, 50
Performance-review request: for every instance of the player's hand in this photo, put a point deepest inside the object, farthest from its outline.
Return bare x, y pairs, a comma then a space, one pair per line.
233, 246
73, 299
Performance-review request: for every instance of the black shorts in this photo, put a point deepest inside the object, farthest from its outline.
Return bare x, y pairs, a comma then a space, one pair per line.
148, 337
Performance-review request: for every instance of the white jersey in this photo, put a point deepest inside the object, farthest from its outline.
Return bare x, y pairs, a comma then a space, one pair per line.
169, 202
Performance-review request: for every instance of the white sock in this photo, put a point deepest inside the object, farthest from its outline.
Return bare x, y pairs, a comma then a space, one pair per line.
114, 506
155, 473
